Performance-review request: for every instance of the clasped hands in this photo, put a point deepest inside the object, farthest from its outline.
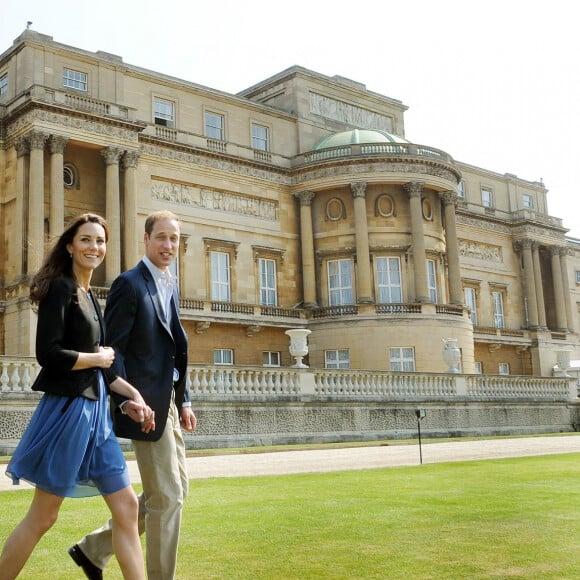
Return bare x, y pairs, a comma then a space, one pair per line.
141, 413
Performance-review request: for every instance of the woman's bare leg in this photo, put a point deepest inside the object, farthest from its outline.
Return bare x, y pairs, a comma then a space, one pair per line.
42, 514
124, 508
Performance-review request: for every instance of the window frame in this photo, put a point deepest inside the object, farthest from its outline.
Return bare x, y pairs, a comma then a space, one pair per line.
461, 190
220, 134
432, 280
384, 276
344, 292
498, 313
487, 197
260, 143
79, 80
402, 359
527, 201
335, 358
503, 368
473, 310
268, 293
216, 282
160, 117
268, 354
3, 83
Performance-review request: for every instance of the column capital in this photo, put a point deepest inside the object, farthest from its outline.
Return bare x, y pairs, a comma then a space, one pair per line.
22, 147
57, 144
414, 188
305, 196
448, 197
37, 139
111, 155
359, 189
556, 250
130, 159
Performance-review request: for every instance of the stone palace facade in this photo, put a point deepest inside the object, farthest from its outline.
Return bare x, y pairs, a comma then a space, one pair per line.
302, 204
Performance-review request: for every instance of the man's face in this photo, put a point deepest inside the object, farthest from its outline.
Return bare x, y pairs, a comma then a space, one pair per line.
162, 245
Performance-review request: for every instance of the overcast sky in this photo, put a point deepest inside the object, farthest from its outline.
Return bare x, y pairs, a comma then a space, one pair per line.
495, 84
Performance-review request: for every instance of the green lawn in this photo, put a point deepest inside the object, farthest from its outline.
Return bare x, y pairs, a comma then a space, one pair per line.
509, 518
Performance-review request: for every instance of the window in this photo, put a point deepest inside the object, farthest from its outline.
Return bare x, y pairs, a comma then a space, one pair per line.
337, 359
214, 126
577, 276
223, 356
163, 112
402, 359
271, 358
498, 316
486, 197
260, 138
268, 292
528, 201
504, 369
470, 301
3, 84
220, 276
69, 175
432, 280
73, 79
478, 367
339, 282
389, 280
461, 190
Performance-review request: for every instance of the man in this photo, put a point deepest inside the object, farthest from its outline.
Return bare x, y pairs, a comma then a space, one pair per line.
142, 322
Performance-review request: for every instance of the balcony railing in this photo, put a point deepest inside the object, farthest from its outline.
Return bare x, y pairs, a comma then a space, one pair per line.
224, 383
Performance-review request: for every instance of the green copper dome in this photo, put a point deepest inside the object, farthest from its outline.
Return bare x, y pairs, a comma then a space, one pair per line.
357, 136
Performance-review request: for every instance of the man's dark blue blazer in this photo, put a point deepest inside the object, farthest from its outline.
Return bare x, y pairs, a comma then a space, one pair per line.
147, 348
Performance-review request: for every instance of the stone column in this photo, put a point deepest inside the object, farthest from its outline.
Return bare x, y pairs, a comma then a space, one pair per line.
559, 297
566, 289
130, 256
111, 156
307, 242
182, 264
35, 245
22, 150
539, 286
414, 189
530, 284
363, 262
56, 147
449, 199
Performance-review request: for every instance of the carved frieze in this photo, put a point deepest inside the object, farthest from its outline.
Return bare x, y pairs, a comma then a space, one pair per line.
72, 123
470, 249
214, 200
349, 114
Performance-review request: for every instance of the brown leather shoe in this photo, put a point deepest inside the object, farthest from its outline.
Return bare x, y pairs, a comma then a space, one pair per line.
91, 571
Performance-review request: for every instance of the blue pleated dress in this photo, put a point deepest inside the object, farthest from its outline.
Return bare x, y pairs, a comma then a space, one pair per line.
69, 448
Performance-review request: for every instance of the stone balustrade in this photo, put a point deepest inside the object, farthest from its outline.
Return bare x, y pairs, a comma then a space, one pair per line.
257, 383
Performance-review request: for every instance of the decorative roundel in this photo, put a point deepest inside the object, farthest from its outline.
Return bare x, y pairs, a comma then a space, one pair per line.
427, 210
335, 209
385, 205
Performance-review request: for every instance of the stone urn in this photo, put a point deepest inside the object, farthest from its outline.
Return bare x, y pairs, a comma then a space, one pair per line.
298, 345
564, 362
451, 354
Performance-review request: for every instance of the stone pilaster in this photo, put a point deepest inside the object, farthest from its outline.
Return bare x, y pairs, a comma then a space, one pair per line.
130, 256
449, 200
559, 297
414, 189
56, 145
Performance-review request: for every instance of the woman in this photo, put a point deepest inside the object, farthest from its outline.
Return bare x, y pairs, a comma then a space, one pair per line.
69, 448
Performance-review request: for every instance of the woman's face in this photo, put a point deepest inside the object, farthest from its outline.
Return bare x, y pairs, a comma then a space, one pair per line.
88, 247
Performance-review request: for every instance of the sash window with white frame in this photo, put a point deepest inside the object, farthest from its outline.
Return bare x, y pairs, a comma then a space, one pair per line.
470, 301
498, 313
337, 359
389, 280
402, 359
432, 280
220, 276
214, 126
268, 290
339, 282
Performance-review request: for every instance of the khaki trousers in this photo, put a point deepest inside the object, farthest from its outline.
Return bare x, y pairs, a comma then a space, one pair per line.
165, 485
